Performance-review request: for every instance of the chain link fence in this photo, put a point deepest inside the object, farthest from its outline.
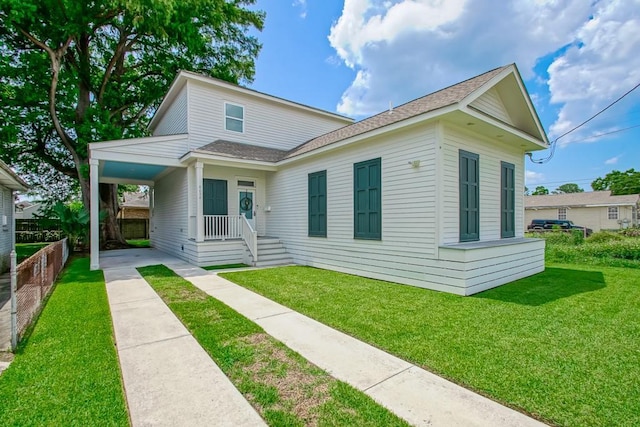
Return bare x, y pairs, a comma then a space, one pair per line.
31, 282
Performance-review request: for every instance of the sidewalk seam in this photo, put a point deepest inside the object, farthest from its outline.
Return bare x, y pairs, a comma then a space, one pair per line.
386, 379
152, 342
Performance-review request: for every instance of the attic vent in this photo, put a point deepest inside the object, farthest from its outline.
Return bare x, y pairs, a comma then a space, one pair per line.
242, 183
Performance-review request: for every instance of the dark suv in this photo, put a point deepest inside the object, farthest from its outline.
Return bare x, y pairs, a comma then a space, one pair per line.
550, 224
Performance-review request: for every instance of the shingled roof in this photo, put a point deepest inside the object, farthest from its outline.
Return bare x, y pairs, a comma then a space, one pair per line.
238, 150
434, 101
591, 198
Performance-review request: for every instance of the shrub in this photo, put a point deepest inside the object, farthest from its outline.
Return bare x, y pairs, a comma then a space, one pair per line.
630, 232
605, 236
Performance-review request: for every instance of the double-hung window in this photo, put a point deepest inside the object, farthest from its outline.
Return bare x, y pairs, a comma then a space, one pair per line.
233, 117
367, 200
562, 213
469, 176
318, 204
613, 212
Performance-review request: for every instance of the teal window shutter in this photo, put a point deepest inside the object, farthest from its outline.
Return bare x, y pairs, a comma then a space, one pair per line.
367, 200
507, 200
214, 197
469, 196
317, 224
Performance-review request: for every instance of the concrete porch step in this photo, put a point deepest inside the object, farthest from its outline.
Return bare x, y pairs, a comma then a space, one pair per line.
274, 263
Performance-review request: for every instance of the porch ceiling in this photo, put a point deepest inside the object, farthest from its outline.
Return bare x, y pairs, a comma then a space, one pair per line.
133, 172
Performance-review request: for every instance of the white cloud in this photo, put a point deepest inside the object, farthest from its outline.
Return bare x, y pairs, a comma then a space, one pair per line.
302, 4
612, 161
600, 65
402, 49
532, 178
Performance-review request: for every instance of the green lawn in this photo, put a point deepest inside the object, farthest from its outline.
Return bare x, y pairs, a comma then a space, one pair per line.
563, 345
66, 372
25, 250
139, 243
283, 387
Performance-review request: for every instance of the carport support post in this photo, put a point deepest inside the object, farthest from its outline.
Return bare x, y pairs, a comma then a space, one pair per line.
199, 208
95, 218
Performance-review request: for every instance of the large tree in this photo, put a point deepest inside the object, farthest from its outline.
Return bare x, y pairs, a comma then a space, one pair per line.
74, 72
540, 191
568, 188
619, 182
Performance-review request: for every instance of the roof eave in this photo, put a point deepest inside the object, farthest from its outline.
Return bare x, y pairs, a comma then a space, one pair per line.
214, 159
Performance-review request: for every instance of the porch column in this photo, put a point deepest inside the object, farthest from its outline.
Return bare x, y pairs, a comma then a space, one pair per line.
152, 203
95, 209
199, 208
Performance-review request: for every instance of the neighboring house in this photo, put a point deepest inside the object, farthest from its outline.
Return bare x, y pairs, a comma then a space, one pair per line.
28, 210
597, 210
9, 183
134, 206
426, 194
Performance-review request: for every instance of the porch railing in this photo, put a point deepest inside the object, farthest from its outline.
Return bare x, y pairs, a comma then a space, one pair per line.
222, 227
250, 237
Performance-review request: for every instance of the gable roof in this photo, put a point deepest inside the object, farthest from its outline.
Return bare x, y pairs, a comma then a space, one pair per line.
461, 94
591, 198
10, 179
183, 76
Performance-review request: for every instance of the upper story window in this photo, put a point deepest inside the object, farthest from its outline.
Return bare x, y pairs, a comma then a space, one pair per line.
234, 117
562, 213
613, 212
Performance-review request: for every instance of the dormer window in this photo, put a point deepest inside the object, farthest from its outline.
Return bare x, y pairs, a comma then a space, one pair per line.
234, 117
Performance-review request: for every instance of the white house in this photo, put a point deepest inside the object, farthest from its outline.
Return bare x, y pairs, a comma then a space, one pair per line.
427, 194
597, 210
9, 183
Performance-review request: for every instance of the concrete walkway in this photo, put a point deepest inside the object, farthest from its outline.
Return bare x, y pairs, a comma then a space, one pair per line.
418, 396
5, 312
169, 379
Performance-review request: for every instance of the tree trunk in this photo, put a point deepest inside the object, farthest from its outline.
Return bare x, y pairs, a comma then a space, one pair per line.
113, 238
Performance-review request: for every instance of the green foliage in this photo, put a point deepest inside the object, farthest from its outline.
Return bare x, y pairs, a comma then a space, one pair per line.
568, 188
74, 72
631, 232
66, 372
74, 222
619, 183
540, 191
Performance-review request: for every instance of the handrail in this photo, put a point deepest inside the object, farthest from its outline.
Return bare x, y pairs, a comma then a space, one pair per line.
250, 237
222, 227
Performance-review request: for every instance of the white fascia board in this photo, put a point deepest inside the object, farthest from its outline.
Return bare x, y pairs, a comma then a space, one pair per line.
212, 159
373, 133
505, 127
130, 158
110, 180
98, 146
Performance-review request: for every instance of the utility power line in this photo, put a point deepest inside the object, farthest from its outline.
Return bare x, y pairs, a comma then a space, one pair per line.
555, 142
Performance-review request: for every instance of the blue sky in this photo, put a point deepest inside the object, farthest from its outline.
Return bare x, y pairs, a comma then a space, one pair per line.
576, 56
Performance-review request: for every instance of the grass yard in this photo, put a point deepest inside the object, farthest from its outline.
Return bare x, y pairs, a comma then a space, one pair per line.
25, 250
283, 387
66, 372
563, 345
139, 243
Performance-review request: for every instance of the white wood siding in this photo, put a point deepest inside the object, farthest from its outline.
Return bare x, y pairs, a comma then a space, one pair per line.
266, 123
171, 148
491, 153
215, 253
408, 209
174, 121
169, 226
490, 103
6, 232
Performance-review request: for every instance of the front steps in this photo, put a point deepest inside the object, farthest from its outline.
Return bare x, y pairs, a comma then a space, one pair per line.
271, 252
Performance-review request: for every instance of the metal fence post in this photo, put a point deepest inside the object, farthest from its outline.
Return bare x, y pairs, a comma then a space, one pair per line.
14, 302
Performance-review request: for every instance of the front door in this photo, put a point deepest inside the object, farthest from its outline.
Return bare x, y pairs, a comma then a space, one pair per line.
247, 206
